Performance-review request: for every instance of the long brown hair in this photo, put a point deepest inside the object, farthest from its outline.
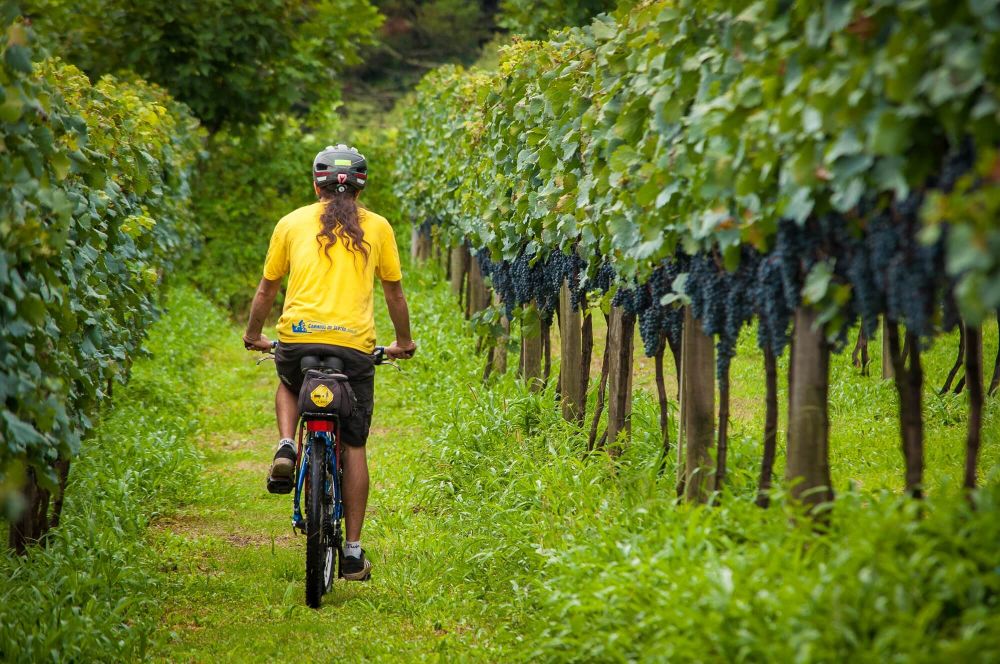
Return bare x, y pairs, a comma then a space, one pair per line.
340, 220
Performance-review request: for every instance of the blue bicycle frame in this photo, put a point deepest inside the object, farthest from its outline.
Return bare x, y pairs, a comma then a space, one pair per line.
319, 433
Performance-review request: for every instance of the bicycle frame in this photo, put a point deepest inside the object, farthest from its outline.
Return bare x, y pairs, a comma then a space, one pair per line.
327, 433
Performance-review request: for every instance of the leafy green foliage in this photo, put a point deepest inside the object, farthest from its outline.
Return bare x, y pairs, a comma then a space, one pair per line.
228, 61
699, 126
534, 19
91, 593
94, 186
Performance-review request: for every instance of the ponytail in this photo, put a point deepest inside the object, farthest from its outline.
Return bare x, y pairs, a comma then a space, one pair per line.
340, 220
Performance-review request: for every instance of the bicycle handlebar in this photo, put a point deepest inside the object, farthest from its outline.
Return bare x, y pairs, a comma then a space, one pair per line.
378, 355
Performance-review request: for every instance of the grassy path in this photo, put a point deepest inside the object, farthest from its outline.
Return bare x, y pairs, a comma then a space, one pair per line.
236, 570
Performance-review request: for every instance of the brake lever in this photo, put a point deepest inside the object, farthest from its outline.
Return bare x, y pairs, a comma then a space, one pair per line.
264, 358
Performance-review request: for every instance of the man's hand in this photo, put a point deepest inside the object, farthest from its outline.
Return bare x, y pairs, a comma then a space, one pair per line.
261, 343
398, 351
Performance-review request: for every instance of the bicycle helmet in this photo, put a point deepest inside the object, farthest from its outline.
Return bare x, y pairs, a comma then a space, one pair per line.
339, 167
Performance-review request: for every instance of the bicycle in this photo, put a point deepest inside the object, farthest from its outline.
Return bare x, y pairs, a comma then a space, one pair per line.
318, 476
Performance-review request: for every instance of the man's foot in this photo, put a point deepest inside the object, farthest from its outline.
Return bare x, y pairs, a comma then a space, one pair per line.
356, 569
279, 479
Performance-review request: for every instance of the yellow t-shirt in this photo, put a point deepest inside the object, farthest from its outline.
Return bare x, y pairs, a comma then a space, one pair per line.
330, 300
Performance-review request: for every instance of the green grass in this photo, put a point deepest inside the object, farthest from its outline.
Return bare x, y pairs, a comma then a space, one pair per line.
495, 537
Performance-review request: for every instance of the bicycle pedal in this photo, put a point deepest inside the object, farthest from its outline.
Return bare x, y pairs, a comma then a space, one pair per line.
279, 486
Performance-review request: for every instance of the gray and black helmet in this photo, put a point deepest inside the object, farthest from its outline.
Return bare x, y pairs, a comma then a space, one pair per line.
338, 167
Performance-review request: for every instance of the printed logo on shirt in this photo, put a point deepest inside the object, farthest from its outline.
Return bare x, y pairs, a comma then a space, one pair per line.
308, 327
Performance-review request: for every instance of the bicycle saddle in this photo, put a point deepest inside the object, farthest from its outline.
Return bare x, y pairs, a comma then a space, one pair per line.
327, 363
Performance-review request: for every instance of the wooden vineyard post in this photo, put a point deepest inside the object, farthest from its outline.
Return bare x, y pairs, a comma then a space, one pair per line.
770, 428
661, 398
531, 350
459, 266
621, 330
698, 408
499, 351
420, 244
859, 356
586, 353
593, 442
974, 381
909, 385
31, 526
478, 294
571, 357
807, 470
886, 351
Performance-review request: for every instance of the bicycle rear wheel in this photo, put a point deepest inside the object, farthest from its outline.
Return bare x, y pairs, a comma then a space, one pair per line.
319, 552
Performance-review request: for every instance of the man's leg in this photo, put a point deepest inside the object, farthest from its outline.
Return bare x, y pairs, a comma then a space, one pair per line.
355, 490
356, 567
286, 407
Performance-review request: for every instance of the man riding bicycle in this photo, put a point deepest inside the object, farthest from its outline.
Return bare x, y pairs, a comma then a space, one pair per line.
331, 251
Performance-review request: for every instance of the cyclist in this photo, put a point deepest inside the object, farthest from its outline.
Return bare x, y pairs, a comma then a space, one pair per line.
332, 251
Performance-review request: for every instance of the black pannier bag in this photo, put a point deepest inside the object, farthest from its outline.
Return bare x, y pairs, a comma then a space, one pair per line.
325, 395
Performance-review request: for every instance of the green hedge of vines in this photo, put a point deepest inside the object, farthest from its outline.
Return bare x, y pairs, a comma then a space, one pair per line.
94, 188
700, 125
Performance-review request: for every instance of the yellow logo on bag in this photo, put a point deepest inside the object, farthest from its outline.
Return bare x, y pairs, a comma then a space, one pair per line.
321, 396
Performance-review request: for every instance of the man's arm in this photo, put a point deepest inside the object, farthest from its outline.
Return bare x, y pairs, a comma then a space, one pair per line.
403, 347
263, 300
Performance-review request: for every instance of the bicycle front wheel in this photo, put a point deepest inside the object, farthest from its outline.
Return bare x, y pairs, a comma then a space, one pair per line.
319, 552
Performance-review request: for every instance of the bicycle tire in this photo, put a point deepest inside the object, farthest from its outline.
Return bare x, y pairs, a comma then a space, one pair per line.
318, 551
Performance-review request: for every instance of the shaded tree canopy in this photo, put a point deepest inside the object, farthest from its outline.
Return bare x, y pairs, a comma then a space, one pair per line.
227, 61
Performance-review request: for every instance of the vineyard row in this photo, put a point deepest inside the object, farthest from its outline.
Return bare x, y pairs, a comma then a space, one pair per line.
694, 167
94, 193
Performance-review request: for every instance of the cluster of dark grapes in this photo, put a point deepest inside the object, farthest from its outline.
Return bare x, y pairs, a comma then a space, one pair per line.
797, 246
634, 299
670, 317
867, 281
527, 279
774, 313
723, 301
657, 321
603, 279
569, 267
511, 280
908, 275
892, 273
780, 275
